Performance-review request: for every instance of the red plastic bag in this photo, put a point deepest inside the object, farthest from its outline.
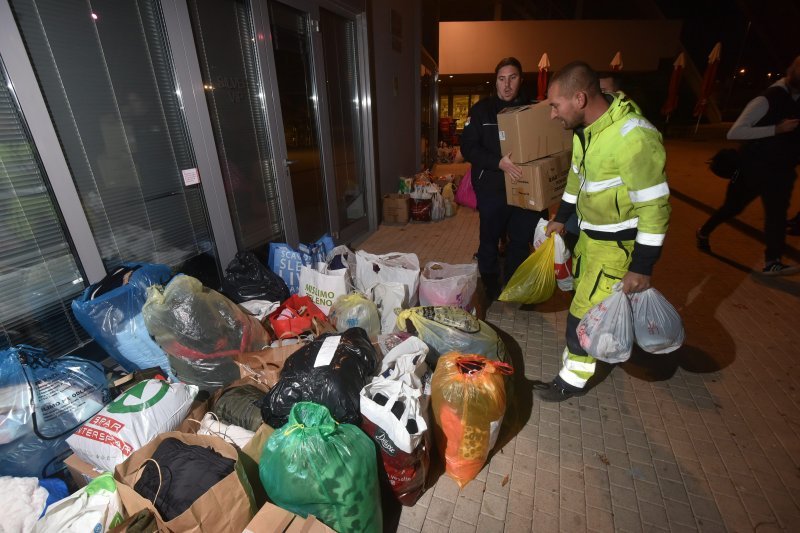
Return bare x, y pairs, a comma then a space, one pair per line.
465, 194
294, 316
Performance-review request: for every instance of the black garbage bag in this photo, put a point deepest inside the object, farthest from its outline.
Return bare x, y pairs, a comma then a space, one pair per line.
330, 371
247, 278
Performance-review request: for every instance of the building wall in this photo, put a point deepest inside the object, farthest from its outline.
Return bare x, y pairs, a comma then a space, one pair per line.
475, 47
395, 96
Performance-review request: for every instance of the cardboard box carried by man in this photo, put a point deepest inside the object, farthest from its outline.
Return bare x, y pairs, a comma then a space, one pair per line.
542, 148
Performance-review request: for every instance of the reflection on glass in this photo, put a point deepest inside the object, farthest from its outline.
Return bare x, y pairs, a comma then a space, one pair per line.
460, 109
226, 46
341, 70
109, 86
38, 272
444, 106
291, 43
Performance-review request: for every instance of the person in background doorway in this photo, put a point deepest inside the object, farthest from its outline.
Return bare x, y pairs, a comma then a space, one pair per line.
480, 145
610, 82
768, 126
618, 188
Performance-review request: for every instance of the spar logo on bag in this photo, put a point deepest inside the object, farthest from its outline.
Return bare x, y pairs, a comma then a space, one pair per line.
141, 396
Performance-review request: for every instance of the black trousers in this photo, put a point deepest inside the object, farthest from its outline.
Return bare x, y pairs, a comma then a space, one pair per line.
497, 220
775, 189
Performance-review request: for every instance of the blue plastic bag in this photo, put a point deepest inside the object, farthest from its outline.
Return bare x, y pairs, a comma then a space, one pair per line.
42, 401
286, 261
114, 319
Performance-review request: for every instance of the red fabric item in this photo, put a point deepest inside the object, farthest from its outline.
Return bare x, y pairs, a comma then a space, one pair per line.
303, 311
671, 104
542, 84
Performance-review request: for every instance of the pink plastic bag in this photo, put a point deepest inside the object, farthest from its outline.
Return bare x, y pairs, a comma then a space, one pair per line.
465, 194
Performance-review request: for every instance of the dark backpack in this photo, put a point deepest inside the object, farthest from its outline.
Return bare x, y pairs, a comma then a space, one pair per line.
725, 163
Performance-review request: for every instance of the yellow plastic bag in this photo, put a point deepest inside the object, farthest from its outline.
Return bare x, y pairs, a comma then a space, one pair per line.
535, 279
469, 401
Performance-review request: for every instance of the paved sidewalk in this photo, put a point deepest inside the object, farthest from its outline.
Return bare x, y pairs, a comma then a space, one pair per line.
704, 439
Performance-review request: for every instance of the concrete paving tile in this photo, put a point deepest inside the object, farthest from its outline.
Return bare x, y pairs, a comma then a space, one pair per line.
501, 465
548, 462
403, 529
545, 522
546, 500
679, 513
520, 504
549, 445
572, 521
623, 497
413, 517
467, 510
599, 520
595, 477
494, 506
643, 471
431, 526
446, 489
518, 524
440, 511
498, 485
673, 490
639, 454
705, 508
473, 490
598, 497
649, 492
488, 524
457, 526
523, 483
425, 499
627, 520
526, 447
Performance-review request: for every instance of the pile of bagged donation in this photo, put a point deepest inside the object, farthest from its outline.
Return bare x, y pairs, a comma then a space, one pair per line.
283, 402
425, 197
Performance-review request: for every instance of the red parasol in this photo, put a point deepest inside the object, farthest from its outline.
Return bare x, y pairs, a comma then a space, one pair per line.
616, 63
544, 69
708, 81
671, 104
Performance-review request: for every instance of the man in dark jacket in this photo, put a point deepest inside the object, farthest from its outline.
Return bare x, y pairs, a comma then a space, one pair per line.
770, 152
480, 145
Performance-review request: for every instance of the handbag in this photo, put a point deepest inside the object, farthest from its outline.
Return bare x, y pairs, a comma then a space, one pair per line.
726, 163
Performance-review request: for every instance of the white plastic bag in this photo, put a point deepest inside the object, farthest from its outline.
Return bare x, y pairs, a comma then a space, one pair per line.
388, 268
322, 285
211, 425
437, 207
388, 297
606, 331
563, 259
132, 420
448, 285
406, 363
96, 507
657, 325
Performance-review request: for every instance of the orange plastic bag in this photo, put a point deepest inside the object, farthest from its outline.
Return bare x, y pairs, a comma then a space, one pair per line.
469, 401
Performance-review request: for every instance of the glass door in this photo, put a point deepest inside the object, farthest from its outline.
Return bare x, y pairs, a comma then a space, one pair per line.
316, 71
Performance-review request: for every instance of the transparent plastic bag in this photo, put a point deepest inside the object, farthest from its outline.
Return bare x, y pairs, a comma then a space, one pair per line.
561, 256
314, 465
114, 318
535, 279
195, 324
656, 324
443, 284
388, 268
447, 329
469, 402
355, 310
606, 331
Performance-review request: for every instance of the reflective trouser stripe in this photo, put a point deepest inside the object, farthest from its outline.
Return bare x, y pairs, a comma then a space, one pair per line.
577, 369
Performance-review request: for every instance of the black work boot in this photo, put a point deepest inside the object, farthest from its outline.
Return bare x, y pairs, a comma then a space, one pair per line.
702, 241
491, 287
557, 390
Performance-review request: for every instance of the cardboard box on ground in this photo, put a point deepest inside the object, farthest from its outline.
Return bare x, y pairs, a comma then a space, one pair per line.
542, 148
396, 208
273, 519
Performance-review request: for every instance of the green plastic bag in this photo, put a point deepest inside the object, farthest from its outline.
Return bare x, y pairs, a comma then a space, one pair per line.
535, 279
313, 465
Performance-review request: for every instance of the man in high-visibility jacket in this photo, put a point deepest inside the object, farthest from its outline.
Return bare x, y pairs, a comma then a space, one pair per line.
618, 188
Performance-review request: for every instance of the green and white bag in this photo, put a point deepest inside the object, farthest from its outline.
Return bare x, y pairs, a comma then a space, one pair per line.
96, 508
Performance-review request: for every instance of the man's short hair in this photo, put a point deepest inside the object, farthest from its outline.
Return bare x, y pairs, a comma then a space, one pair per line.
506, 61
615, 76
577, 76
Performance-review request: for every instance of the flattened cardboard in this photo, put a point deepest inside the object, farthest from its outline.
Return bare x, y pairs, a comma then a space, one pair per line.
273, 519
